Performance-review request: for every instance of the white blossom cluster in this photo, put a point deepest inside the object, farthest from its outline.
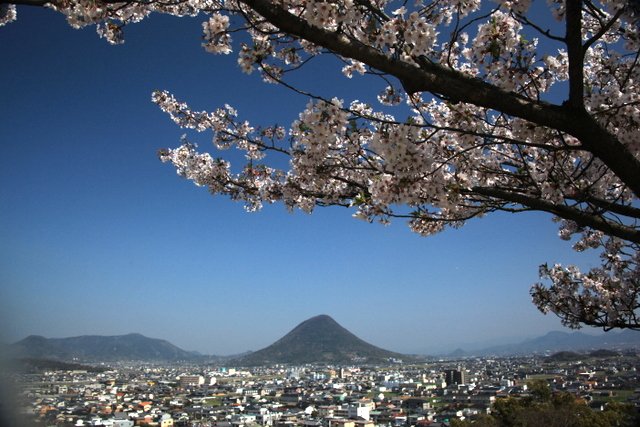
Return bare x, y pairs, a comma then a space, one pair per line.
111, 32
450, 159
606, 295
8, 13
217, 40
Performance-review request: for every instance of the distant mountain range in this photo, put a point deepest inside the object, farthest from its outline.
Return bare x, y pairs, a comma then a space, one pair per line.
101, 348
32, 366
570, 356
556, 341
319, 340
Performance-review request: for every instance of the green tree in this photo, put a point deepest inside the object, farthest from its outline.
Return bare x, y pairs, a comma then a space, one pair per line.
540, 390
544, 408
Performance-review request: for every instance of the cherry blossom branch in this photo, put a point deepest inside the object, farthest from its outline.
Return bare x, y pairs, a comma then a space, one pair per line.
575, 50
546, 33
603, 30
581, 218
479, 138
456, 86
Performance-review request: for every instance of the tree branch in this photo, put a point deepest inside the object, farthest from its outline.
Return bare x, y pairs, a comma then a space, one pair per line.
435, 78
626, 210
602, 31
581, 218
40, 3
443, 81
575, 53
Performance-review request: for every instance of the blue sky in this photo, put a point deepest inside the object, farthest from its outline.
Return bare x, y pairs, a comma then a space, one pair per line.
99, 237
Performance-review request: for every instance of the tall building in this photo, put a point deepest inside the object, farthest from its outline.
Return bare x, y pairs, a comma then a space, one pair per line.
454, 376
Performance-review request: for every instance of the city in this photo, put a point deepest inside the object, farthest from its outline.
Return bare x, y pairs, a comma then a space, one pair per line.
496, 144
434, 393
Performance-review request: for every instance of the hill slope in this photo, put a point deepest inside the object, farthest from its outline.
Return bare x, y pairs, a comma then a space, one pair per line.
568, 341
318, 340
100, 348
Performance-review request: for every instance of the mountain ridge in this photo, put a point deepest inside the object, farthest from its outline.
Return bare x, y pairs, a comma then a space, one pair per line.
132, 346
319, 339
555, 341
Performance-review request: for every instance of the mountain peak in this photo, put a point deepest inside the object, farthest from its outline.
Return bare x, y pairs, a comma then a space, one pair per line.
319, 339
320, 318
319, 321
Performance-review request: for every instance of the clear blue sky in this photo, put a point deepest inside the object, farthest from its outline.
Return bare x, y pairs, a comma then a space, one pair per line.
99, 237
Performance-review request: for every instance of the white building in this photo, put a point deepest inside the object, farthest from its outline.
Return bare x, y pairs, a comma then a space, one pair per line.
191, 381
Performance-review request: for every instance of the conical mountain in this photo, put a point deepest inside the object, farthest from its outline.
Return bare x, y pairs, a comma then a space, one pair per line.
319, 340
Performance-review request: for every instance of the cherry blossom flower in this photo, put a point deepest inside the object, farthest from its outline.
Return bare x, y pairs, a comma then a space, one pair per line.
468, 121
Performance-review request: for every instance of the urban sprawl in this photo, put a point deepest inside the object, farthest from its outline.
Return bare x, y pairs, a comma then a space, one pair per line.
434, 393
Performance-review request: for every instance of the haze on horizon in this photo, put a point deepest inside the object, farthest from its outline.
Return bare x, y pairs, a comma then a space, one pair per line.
435, 349
100, 238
